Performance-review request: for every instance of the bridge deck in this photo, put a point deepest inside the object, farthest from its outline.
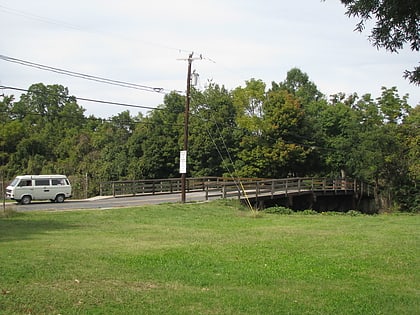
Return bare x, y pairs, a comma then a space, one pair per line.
237, 188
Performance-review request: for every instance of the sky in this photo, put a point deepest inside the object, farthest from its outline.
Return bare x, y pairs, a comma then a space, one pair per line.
147, 43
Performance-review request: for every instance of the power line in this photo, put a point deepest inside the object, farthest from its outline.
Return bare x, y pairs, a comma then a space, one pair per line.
116, 103
109, 120
308, 146
48, 20
89, 99
142, 122
84, 76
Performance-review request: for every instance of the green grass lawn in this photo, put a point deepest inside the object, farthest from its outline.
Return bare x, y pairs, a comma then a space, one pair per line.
209, 258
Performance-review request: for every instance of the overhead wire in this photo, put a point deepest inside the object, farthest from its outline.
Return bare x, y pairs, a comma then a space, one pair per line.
234, 169
82, 29
83, 76
237, 181
241, 188
2, 87
109, 120
89, 99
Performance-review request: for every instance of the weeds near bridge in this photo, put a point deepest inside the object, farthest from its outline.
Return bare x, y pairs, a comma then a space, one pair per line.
279, 210
287, 211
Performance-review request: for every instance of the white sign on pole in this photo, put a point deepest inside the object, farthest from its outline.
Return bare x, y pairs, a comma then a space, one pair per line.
183, 162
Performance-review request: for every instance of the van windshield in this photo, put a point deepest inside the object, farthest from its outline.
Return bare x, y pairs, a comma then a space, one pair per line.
14, 182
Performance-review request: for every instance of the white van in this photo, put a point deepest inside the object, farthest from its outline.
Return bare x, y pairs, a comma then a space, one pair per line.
26, 188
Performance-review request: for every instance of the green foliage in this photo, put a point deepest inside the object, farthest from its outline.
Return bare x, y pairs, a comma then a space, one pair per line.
353, 213
309, 212
279, 210
290, 129
297, 83
396, 23
287, 211
162, 139
212, 141
273, 128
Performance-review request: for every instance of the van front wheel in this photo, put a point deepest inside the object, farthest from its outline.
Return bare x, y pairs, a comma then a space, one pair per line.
26, 200
59, 198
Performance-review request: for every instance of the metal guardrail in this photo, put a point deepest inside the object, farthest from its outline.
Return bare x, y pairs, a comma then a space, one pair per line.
222, 187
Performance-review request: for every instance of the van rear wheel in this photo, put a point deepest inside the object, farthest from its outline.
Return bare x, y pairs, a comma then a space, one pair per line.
59, 198
26, 200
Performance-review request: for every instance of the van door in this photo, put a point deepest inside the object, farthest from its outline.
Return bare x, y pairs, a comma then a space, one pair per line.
59, 186
42, 189
24, 188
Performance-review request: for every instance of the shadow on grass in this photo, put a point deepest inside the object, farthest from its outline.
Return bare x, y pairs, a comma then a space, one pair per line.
17, 226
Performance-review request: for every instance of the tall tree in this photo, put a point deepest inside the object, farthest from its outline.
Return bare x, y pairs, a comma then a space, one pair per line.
312, 102
114, 136
214, 137
163, 138
363, 136
283, 132
48, 115
135, 148
248, 102
338, 126
271, 122
408, 194
299, 84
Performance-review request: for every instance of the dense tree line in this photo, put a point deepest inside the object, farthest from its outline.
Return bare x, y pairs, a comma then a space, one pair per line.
287, 129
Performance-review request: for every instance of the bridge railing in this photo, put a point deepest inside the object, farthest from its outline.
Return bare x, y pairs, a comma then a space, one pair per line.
149, 186
271, 187
231, 188
165, 186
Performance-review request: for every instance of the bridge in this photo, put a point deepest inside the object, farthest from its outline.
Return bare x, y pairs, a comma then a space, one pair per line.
321, 194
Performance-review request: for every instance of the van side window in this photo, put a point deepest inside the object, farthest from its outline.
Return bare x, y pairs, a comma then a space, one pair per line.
25, 183
58, 181
42, 182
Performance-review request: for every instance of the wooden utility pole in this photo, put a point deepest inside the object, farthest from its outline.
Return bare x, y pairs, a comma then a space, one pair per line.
186, 117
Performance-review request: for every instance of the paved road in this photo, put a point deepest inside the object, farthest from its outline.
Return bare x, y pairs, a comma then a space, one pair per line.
108, 202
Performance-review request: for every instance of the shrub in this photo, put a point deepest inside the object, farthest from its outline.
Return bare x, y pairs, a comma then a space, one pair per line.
332, 213
309, 212
353, 213
279, 210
